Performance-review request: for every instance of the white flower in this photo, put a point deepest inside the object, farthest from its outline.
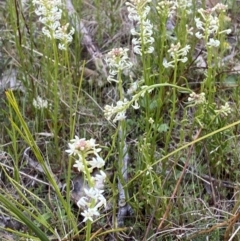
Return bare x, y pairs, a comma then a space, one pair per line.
89, 214
93, 193
224, 109
220, 7
189, 30
199, 23
167, 64
176, 52
197, 98
117, 60
183, 60
137, 49
65, 37
40, 103
213, 42
101, 176
132, 13
83, 202
92, 145
209, 25
80, 146
227, 31
61, 46
46, 32
118, 110
97, 162
184, 51
184, 4
50, 14
134, 32
79, 165
151, 121
93, 198
135, 105
198, 35
133, 88
170, 8
150, 50
99, 179
110, 78
121, 115
72, 149
108, 111
101, 202
138, 11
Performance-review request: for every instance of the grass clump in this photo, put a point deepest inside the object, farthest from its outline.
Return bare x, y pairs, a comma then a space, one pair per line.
155, 84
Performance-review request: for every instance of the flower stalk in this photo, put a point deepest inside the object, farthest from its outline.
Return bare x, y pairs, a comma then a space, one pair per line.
209, 26
118, 61
90, 203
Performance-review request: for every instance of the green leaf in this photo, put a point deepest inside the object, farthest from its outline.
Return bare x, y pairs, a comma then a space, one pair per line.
162, 128
230, 81
24, 219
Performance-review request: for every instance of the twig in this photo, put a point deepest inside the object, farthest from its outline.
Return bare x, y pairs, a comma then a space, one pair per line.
233, 235
219, 225
232, 221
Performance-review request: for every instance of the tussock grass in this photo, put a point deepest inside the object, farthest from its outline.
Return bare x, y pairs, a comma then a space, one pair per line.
173, 162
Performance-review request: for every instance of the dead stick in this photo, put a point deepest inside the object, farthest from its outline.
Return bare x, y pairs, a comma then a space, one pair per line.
228, 222
92, 49
232, 221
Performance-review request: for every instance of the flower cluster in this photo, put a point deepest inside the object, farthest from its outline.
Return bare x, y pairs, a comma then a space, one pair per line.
177, 54
134, 87
166, 8
138, 11
40, 103
208, 25
50, 14
185, 4
93, 195
119, 111
224, 109
170, 8
117, 61
220, 7
197, 98
82, 150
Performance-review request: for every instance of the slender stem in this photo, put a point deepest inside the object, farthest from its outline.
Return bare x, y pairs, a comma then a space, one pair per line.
174, 98
89, 228
121, 132
54, 78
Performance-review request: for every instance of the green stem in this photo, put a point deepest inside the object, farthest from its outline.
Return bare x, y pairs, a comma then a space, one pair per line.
54, 78
210, 78
172, 114
121, 133
88, 232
